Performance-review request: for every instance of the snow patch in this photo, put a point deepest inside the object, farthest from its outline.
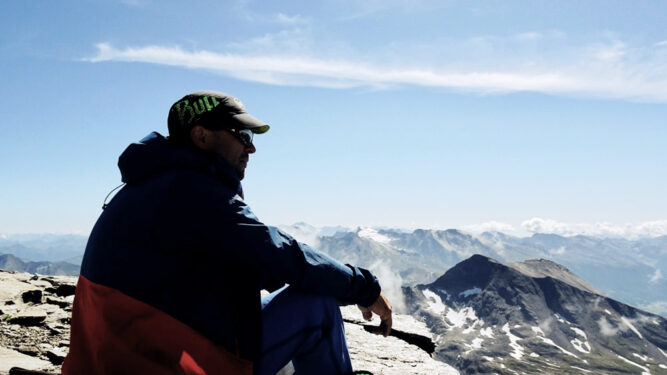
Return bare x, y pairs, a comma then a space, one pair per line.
642, 357
490, 359
471, 328
373, 234
476, 344
579, 332
561, 319
582, 346
517, 353
662, 366
470, 292
580, 369
550, 342
534, 355
459, 318
627, 323
538, 330
443, 292
607, 311
645, 369
434, 302
487, 332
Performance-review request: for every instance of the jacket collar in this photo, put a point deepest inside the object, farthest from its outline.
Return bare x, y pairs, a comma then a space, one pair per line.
155, 154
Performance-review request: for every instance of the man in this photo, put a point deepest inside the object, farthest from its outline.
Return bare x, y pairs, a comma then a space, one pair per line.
171, 277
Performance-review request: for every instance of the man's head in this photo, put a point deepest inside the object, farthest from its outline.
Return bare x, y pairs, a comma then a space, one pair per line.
215, 122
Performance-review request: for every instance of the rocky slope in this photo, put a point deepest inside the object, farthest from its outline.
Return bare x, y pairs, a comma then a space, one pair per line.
535, 317
35, 314
34, 320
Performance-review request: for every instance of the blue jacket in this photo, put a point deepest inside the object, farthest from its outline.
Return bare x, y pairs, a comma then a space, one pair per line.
179, 238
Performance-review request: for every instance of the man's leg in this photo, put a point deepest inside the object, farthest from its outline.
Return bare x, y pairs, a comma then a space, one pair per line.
306, 329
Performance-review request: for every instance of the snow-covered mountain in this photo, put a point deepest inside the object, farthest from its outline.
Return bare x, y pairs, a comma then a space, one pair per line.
534, 317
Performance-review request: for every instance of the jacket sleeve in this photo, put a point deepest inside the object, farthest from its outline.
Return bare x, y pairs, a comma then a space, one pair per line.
234, 234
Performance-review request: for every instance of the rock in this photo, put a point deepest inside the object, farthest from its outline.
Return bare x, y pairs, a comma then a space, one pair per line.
12, 286
56, 356
11, 358
390, 355
61, 302
29, 350
64, 290
28, 320
32, 296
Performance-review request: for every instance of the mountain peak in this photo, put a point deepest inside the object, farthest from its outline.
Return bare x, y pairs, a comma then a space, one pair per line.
539, 268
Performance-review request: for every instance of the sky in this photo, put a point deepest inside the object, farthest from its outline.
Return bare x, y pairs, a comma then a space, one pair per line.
519, 116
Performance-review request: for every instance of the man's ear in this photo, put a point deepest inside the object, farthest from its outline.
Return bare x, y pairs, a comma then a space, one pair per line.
198, 136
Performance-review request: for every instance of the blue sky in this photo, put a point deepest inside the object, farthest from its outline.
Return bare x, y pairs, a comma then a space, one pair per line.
521, 116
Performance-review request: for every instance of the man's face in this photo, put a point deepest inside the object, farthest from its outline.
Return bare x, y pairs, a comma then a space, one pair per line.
225, 144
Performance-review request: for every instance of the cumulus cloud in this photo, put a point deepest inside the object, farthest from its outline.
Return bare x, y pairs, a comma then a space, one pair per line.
628, 230
604, 70
489, 226
302, 232
559, 251
391, 283
606, 328
545, 325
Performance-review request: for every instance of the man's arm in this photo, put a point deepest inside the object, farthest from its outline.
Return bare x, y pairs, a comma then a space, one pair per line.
234, 234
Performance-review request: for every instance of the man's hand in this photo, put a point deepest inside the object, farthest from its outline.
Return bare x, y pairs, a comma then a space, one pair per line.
382, 308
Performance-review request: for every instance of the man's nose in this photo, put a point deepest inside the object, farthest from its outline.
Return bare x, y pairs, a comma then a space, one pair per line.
250, 148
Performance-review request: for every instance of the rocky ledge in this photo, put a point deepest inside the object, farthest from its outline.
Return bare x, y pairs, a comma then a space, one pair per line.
35, 313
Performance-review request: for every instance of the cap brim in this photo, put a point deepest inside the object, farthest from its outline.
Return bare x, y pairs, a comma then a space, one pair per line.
249, 122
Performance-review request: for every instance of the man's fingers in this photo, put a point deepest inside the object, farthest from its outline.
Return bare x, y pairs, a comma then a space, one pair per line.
385, 326
367, 314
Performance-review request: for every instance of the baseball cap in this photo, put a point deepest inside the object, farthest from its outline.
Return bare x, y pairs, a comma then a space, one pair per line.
212, 110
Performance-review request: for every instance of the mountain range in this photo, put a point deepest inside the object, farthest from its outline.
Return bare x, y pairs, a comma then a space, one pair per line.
629, 270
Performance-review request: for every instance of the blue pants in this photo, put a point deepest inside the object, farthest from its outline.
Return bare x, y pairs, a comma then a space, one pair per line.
306, 329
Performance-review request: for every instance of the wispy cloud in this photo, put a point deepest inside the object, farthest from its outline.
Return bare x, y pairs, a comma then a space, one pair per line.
656, 277
650, 228
290, 20
610, 73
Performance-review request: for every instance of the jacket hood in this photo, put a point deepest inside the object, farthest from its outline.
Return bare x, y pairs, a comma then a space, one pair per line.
154, 154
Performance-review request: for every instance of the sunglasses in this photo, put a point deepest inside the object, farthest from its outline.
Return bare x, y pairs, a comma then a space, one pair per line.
243, 135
